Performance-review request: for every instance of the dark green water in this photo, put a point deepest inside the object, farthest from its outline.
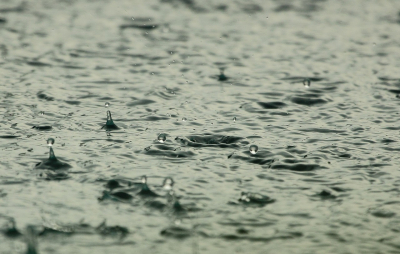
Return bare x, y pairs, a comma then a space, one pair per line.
326, 175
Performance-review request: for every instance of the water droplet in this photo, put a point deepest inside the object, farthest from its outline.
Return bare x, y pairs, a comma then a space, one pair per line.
253, 149
162, 137
107, 104
307, 82
50, 142
144, 179
234, 119
184, 119
168, 183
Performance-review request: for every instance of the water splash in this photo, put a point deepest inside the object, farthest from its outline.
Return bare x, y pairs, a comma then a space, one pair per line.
110, 125
52, 162
145, 191
221, 76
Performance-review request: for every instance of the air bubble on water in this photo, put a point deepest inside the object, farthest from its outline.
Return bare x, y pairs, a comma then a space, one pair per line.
50, 141
107, 104
168, 183
307, 82
234, 119
253, 149
162, 138
184, 119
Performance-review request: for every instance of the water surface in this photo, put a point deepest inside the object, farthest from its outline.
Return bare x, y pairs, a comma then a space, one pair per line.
215, 77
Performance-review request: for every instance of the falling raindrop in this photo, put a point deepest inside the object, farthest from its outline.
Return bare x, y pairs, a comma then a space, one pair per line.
253, 149
162, 138
307, 82
168, 183
50, 142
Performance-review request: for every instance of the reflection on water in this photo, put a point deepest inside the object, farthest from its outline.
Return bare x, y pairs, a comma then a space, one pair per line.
236, 126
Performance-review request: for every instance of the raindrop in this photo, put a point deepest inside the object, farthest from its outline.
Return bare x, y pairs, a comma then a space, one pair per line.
307, 82
253, 149
162, 137
50, 142
184, 119
107, 104
234, 119
168, 183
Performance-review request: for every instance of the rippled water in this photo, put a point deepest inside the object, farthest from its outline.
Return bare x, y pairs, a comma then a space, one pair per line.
215, 77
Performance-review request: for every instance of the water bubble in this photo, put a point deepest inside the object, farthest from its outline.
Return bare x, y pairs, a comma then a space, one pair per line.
107, 104
168, 183
234, 119
162, 137
307, 82
253, 149
184, 119
50, 142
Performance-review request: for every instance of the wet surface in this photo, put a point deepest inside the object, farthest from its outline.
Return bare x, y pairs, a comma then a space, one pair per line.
192, 86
